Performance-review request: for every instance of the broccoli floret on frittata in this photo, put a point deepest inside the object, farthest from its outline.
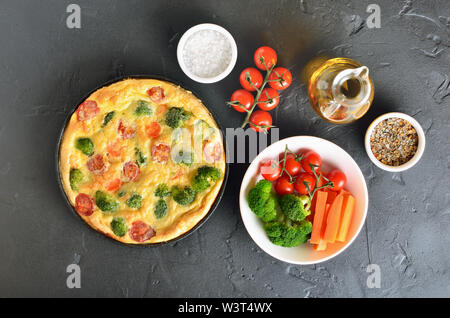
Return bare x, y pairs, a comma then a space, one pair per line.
75, 178
105, 202
183, 196
85, 145
161, 209
204, 177
119, 226
176, 116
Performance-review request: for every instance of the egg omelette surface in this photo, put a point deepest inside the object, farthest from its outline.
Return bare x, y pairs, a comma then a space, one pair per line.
142, 161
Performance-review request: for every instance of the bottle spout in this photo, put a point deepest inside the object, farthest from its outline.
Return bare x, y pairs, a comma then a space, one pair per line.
361, 72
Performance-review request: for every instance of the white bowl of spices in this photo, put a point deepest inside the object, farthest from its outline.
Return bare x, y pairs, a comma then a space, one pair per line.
207, 53
395, 142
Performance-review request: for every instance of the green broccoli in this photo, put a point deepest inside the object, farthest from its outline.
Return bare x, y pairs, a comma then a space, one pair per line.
121, 193
108, 117
135, 201
161, 209
119, 226
262, 202
85, 145
205, 175
286, 233
105, 202
295, 207
176, 116
75, 178
186, 158
141, 159
183, 197
162, 191
143, 109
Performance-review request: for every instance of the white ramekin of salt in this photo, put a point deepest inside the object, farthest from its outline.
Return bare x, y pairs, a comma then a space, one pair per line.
207, 53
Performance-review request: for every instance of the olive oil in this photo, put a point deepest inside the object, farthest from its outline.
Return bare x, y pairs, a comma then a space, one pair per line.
340, 90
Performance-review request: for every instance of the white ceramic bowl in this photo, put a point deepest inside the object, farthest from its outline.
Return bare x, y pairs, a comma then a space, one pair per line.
420, 146
332, 157
185, 38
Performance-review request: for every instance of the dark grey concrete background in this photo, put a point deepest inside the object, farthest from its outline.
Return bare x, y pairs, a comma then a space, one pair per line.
45, 68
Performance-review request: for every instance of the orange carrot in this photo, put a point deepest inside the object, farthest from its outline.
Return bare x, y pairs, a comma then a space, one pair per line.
333, 220
322, 246
348, 205
319, 209
310, 217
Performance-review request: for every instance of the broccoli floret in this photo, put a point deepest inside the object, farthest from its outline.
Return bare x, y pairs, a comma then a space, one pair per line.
75, 178
108, 117
119, 226
105, 202
183, 197
161, 209
143, 109
135, 201
262, 202
295, 207
162, 191
186, 158
140, 158
284, 232
176, 116
85, 145
205, 175
121, 193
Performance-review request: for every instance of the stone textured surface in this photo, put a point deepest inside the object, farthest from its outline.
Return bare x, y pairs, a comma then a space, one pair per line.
46, 68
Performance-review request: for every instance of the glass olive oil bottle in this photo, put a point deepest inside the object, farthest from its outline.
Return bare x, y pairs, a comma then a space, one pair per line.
340, 90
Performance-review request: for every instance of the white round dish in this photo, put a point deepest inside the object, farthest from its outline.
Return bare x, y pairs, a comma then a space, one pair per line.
185, 38
420, 146
332, 157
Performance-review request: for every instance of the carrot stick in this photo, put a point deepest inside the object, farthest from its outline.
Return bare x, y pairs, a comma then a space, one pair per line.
348, 206
322, 246
333, 220
319, 209
310, 217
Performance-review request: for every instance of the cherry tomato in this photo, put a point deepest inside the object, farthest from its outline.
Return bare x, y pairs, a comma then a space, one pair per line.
311, 158
153, 130
260, 121
283, 75
156, 94
270, 170
291, 165
131, 171
251, 74
243, 97
283, 185
267, 55
87, 110
269, 99
338, 178
302, 178
84, 205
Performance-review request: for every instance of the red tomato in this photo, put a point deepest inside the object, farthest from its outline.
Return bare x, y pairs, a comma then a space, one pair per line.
126, 131
84, 205
260, 121
156, 94
141, 231
160, 153
245, 98
284, 77
338, 178
97, 165
270, 170
304, 178
311, 158
283, 185
291, 165
114, 185
131, 171
213, 152
87, 110
251, 74
269, 99
265, 55
153, 130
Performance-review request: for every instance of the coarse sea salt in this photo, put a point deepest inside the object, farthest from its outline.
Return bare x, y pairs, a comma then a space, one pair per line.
207, 53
